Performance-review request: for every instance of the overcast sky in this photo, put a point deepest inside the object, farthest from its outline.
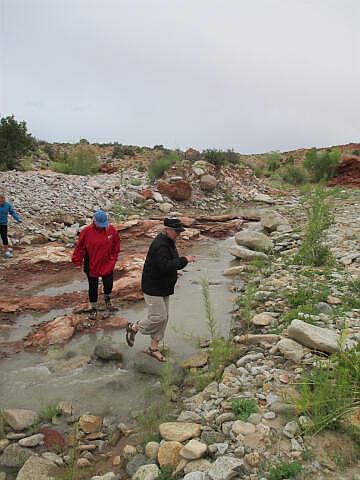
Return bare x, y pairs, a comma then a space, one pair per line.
253, 75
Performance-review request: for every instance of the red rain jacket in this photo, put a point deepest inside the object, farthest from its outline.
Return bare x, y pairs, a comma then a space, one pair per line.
102, 247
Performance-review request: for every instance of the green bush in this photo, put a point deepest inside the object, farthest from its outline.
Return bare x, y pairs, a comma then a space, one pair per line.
15, 142
285, 470
220, 157
312, 250
120, 151
322, 165
243, 408
160, 164
331, 390
82, 160
293, 174
272, 161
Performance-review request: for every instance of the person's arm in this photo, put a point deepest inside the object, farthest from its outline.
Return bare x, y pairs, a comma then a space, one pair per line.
80, 249
166, 263
14, 214
116, 244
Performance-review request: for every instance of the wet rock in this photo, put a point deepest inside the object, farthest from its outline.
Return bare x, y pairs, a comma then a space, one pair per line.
208, 183
254, 241
271, 220
19, 419
246, 254
57, 331
311, 336
193, 450
179, 431
262, 319
147, 472
143, 363
90, 423
107, 352
179, 190
196, 361
37, 468
152, 450
169, 454
15, 456
292, 350
225, 468
32, 441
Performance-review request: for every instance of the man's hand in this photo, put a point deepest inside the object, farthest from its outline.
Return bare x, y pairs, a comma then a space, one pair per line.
190, 258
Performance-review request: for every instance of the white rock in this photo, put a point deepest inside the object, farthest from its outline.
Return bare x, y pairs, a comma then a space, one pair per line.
314, 337
32, 441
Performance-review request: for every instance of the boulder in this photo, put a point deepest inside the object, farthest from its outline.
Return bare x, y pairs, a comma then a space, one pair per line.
169, 454
90, 423
15, 456
107, 352
271, 220
20, 419
262, 319
314, 337
147, 472
32, 441
179, 431
37, 468
254, 240
292, 350
226, 468
179, 190
246, 254
208, 183
193, 450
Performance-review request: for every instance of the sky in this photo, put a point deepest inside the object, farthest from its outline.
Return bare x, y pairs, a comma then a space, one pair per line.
252, 75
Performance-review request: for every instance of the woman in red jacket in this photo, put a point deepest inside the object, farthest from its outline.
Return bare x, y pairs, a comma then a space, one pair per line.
98, 247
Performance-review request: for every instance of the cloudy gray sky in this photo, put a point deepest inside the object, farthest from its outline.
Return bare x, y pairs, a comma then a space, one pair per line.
253, 75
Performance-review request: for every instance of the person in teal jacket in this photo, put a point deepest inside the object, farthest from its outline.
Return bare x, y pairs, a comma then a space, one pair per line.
6, 209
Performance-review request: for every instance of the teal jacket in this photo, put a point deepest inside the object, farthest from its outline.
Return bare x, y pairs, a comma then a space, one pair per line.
6, 209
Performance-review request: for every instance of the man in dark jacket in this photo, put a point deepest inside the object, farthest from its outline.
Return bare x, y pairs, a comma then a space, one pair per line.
158, 282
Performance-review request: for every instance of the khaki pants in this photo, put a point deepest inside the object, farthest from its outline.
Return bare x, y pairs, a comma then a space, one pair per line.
157, 319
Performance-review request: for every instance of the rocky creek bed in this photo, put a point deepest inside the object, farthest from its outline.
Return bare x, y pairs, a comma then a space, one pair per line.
202, 439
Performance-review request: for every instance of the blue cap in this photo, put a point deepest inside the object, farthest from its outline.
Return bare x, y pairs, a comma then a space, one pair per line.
101, 219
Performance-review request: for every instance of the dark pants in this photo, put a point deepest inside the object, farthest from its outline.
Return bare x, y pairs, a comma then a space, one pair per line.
94, 285
3, 234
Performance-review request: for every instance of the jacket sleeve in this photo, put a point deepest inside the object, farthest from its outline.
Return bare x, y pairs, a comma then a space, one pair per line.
167, 264
80, 249
116, 244
14, 214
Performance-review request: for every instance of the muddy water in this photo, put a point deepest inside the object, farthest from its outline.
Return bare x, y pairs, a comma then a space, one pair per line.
35, 380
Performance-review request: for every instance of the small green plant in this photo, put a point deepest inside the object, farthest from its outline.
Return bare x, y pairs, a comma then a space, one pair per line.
322, 165
166, 473
319, 218
246, 303
160, 164
120, 213
135, 182
243, 408
72, 469
285, 470
211, 321
49, 412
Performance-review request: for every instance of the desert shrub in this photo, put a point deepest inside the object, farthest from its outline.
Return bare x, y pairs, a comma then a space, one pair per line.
272, 161
82, 160
160, 164
319, 218
293, 174
120, 151
330, 391
321, 165
220, 157
15, 141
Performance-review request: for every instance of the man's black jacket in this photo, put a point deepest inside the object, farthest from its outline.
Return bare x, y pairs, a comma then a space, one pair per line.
160, 269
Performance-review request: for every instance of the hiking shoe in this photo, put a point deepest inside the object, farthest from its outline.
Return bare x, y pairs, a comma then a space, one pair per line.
9, 254
93, 314
109, 306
